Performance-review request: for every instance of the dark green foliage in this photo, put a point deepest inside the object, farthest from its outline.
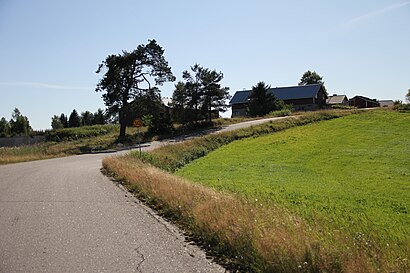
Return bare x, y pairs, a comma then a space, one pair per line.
99, 117
179, 105
310, 77
4, 127
56, 123
19, 124
408, 96
64, 120
214, 96
68, 134
262, 102
200, 96
87, 118
129, 75
74, 119
149, 105
193, 91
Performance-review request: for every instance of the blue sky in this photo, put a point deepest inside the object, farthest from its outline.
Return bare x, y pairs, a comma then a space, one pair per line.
50, 50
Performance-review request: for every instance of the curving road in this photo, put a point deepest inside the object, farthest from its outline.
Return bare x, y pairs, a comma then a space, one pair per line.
63, 215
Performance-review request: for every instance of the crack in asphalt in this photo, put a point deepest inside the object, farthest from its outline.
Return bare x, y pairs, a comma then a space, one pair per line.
142, 259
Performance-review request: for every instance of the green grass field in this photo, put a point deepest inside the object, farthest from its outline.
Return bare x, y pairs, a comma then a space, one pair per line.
348, 176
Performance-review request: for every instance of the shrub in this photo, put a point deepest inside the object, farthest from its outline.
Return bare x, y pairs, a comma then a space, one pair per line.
68, 134
345, 107
280, 113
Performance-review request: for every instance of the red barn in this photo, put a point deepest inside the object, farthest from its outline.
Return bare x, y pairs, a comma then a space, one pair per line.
363, 102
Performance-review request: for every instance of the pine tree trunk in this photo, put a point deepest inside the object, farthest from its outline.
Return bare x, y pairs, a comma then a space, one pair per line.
123, 125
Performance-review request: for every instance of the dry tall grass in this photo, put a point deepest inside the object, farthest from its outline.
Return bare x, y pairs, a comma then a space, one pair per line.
256, 238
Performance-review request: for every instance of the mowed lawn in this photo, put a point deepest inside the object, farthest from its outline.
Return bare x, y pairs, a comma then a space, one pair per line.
349, 175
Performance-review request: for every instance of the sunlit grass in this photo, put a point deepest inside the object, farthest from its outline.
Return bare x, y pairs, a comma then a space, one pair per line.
255, 233
252, 238
348, 176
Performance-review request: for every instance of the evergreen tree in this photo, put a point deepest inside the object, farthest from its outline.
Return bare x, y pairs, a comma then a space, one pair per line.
129, 75
180, 103
214, 96
87, 118
74, 119
99, 117
4, 128
19, 124
262, 102
194, 91
201, 94
56, 123
64, 120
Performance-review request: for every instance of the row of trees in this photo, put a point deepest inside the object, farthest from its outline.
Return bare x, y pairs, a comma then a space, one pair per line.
128, 92
76, 120
17, 126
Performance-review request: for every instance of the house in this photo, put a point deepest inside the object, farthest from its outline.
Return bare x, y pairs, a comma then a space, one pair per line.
386, 103
301, 97
337, 100
363, 102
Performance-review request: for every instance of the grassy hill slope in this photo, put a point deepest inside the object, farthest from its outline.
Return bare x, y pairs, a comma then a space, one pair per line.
349, 176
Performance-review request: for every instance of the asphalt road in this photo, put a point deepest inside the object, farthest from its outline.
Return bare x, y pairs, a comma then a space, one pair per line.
63, 215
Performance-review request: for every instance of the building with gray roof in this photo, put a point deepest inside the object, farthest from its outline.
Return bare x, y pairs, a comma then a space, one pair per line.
338, 100
301, 97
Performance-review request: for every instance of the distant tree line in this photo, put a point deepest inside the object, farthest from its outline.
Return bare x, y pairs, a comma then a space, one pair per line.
17, 126
75, 120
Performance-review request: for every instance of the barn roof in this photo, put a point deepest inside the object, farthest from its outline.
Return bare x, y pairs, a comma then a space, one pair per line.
336, 99
363, 98
240, 97
282, 93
